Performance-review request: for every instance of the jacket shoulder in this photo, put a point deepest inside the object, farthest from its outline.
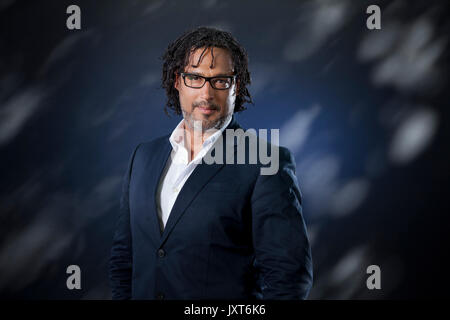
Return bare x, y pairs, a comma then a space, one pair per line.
150, 145
155, 142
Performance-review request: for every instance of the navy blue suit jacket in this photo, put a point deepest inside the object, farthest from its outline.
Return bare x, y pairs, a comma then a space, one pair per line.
232, 232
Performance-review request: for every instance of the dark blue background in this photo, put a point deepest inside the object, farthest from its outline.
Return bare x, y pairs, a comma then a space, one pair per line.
364, 111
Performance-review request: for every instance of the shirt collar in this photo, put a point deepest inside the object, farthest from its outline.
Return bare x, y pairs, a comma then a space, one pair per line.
178, 134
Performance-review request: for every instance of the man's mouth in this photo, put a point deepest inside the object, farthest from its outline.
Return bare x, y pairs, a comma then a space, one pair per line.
206, 110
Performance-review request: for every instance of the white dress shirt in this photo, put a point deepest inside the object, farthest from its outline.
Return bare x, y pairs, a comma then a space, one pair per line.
178, 169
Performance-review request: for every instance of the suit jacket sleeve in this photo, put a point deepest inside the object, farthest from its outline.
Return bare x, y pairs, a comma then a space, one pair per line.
120, 262
282, 250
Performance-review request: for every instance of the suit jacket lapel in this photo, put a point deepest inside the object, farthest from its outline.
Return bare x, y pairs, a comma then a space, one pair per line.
193, 185
157, 166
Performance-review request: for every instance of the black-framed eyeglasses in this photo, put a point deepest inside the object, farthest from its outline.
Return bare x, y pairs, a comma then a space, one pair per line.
197, 81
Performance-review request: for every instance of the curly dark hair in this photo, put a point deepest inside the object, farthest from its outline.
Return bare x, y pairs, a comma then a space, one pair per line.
177, 56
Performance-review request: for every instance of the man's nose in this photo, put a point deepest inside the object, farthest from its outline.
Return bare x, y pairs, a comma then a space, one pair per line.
207, 91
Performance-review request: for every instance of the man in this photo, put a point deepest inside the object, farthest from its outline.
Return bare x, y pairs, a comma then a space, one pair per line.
192, 230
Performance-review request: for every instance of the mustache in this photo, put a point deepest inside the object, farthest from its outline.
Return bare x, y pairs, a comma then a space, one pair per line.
206, 104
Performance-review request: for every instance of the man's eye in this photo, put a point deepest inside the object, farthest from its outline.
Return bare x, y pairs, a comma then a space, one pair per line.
193, 77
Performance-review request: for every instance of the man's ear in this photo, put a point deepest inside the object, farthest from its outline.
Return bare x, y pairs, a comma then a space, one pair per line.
176, 83
236, 89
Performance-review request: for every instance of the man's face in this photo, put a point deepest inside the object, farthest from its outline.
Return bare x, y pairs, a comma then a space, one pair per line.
208, 105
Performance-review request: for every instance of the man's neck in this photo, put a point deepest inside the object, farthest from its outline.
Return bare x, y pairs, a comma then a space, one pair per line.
195, 139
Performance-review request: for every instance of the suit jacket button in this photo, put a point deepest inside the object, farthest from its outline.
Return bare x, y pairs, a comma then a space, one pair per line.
161, 253
160, 296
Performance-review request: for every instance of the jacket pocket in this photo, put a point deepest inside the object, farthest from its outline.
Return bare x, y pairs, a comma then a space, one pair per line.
223, 187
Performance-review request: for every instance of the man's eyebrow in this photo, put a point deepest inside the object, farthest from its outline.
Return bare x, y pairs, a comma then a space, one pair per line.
199, 74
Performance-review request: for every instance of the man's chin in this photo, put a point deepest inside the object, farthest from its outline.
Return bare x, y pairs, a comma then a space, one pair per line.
204, 124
